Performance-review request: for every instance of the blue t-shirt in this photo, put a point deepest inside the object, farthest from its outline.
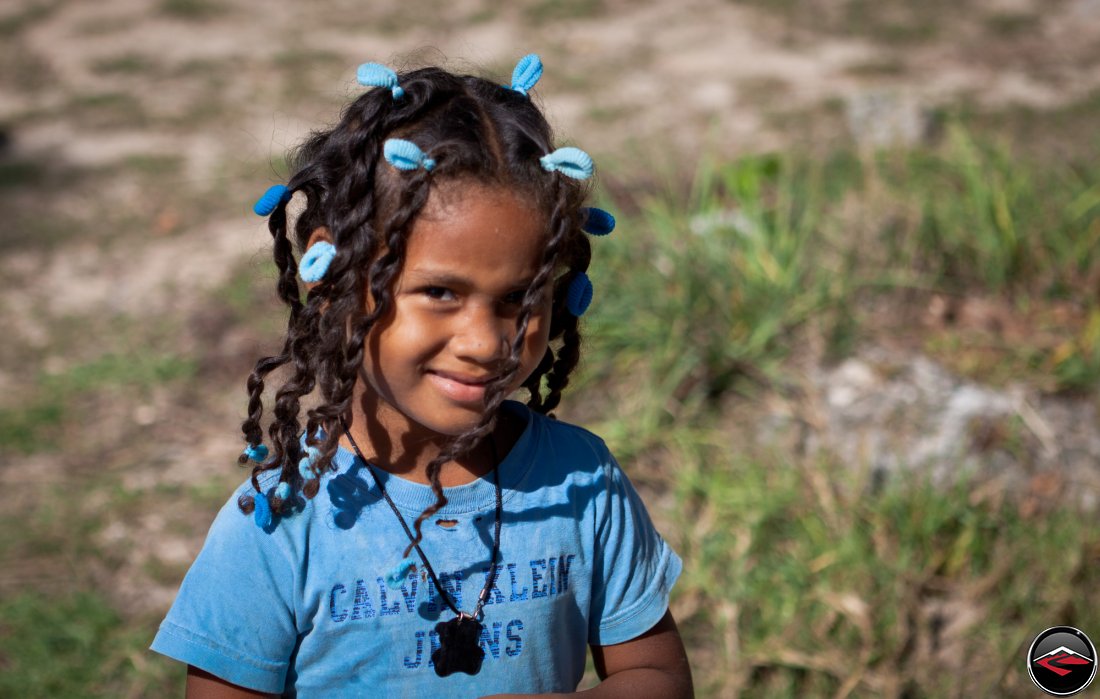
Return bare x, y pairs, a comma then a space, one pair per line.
304, 608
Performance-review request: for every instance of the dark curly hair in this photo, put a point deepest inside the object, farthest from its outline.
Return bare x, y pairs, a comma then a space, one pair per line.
477, 131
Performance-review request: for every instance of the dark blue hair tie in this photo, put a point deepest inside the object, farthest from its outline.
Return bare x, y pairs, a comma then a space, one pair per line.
579, 295
271, 199
598, 221
262, 513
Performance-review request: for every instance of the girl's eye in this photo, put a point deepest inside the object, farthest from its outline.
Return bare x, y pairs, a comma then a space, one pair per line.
515, 298
438, 293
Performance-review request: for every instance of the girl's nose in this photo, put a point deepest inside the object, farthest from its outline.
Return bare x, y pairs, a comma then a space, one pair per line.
482, 336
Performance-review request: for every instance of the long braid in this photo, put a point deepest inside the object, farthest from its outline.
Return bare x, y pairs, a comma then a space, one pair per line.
533, 384
381, 288
381, 275
345, 359
564, 363
562, 224
287, 289
313, 335
566, 328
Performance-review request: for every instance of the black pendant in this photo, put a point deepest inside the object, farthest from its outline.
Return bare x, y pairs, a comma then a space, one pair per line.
459, 646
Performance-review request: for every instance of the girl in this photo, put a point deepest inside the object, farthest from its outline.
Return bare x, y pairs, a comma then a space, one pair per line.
424, 536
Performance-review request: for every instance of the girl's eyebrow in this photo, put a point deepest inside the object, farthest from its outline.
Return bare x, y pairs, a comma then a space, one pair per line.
446, 278
442, 278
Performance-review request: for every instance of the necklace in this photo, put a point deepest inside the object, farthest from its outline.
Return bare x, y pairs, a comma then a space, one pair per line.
459, 638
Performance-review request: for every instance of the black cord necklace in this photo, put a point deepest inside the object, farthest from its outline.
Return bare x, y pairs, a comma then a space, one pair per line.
459, 638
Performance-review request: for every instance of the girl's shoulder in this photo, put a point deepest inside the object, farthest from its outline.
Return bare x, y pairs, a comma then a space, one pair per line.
554, 442
567, 435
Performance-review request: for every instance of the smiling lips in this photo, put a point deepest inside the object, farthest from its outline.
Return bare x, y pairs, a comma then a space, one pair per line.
459, 387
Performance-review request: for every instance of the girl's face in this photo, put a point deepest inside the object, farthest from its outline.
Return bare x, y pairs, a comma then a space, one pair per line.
470, 257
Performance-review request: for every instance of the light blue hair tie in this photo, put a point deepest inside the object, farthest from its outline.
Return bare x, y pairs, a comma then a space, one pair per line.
377, 75
256, 453
282, 491
395, 577
597, 222
569, 161
527, 72
271, 199
579, 295
315, 262
306, 463
406, 155
262, 512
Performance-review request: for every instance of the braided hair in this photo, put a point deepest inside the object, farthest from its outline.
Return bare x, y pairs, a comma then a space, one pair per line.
476, 131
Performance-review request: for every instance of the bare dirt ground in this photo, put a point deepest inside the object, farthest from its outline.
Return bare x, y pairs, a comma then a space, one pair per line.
137, 134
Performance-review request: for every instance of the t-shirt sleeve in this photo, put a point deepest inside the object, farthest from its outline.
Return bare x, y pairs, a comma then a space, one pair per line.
634, 568
233, 616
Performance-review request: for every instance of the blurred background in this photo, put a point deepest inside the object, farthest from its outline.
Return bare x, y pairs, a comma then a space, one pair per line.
846, 336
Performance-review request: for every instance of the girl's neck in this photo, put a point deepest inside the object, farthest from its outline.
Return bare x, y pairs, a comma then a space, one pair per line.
393, 443
411, 461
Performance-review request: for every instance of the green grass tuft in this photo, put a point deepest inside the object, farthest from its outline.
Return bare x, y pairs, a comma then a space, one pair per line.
16, 174
717, 290
774, 253
33, 425
129, 63
560, 10
76, 645
139, 370
12, 23
805, 580
191, 9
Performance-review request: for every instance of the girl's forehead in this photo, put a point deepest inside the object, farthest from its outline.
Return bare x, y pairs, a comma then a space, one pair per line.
459, 197
472, 220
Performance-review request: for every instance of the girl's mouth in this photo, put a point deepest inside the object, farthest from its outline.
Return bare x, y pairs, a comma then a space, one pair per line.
459, 387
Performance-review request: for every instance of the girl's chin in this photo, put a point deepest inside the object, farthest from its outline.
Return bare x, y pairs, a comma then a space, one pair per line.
458, 428
455, 423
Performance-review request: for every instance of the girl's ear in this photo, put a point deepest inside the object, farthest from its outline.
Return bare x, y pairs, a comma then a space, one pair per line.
320, 234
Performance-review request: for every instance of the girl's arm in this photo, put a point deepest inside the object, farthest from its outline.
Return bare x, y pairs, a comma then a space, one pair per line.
202, 685
652, 665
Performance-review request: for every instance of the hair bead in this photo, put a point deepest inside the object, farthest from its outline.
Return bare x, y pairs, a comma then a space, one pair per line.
316, 260
307, 462
526, 73
569, 161
395, 577
271, 199
597, 221
406, 155
378, 75
305, 469
257, 453
282, 491
579, 295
